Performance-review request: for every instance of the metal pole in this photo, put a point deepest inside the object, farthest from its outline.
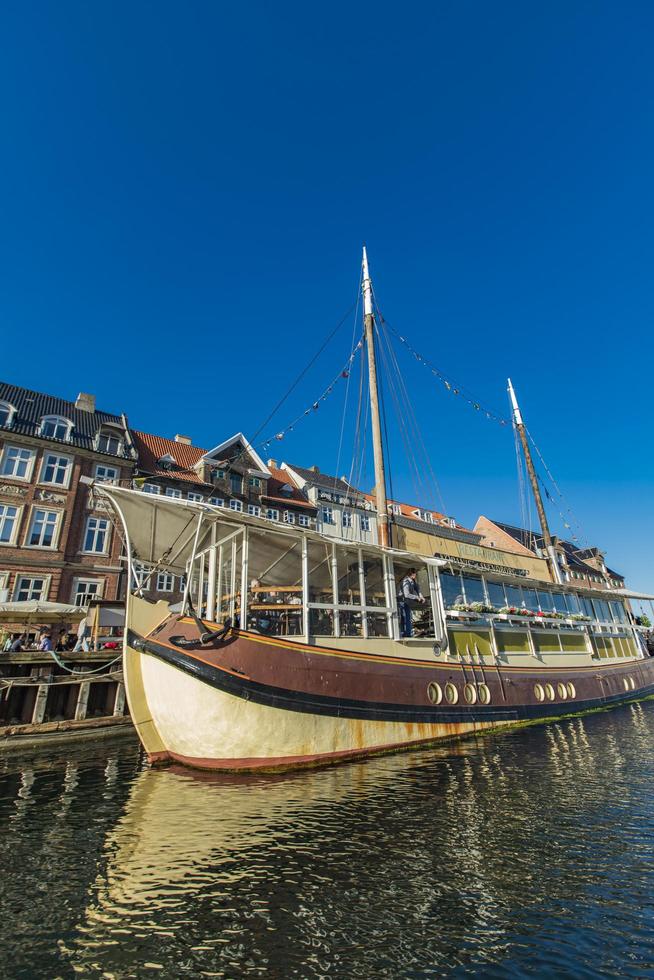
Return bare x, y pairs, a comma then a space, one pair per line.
378, 450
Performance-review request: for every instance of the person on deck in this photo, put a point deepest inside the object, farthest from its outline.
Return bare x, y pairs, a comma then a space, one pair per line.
408, 596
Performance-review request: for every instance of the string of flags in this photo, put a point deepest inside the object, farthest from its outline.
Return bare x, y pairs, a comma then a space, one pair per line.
342, 375
447, 384
569, 513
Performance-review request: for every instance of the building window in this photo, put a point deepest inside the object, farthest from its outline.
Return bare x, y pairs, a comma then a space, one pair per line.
106, 474
56, 470
272, 514
109, 442
236, 482
8, 523
328, 515
31, 588
171, 492
43, 529
347, 518
55, 427
303, 520
85, 589
395, 509
254, 481
151, 488
6, 414
364, 522
96, 538
218, 475
289, 517
254, 511
140, 573
217, 501
236, 505
195, 496
17, 463
165, 582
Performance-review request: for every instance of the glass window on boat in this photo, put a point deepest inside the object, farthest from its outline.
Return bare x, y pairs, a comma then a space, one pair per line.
347, 577
513, 595
546, 601
560, 605
496, 595
573, 604
530, 599
618, 612
373, 578
452, 589
473, 588
422, 614
320, 573
602, 610
587, 607
274, 594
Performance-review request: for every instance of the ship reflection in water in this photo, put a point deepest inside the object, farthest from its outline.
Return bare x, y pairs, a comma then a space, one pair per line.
527, 852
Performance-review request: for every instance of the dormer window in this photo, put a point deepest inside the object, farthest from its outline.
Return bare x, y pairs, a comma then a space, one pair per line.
286, 490
56, 427
109, 441
167, 461
7, 413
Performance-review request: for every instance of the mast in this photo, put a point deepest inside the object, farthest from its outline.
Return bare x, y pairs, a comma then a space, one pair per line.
378, 450
533, 479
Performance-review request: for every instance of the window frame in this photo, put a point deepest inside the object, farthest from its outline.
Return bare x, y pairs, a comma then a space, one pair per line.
153, 488
99, 479
173, 493
236, 505
11, 543
165, 575
45, 591
12, 412
270, 511
83, 580
53, 546
56, 419
109, 433
254, 510
364, 523
44, 464
30, 462
194, 496
106, 532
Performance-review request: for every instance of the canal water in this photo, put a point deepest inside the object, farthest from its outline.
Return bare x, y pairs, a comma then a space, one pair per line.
528, 853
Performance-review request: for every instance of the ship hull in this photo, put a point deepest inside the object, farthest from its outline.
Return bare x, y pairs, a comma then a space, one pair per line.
258, 703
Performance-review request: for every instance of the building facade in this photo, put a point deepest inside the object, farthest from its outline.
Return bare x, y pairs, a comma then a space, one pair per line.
57, 540
342, 511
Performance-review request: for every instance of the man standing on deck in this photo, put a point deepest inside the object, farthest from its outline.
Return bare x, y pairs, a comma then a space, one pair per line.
408, 597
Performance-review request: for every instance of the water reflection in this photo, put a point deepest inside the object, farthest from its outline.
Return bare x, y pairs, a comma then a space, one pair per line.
526, 852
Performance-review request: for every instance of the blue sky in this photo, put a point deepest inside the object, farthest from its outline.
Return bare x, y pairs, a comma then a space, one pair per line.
186, 189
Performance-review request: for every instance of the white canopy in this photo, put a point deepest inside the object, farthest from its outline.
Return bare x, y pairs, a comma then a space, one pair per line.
37, 611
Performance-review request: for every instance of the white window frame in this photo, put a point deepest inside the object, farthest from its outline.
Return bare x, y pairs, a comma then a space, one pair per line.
173, 492
55, 533
152, 488
45, 591
29, 462
68, 471
12, 411
303, 520
16, 519
217, 501
347, 518
109, 434
364, 523
76, 593
106, 531
106, 479
162, 579
256, 482
330, 520
289, 517
197, 497
254, 510
236, 505
272, 514
57, 420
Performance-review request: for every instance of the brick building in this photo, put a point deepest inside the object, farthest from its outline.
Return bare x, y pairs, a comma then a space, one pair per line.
57, 541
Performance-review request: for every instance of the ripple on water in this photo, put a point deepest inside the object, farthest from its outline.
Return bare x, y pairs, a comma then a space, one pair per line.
530, 852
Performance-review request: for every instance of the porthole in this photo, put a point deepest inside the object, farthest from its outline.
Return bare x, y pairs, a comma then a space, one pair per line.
562, 691
572, 692
625, 681
539, 692
451, 694
549, 690
434, 692
484, 694
470, 694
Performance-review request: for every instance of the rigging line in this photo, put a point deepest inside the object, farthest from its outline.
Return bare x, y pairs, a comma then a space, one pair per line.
420, 440
357, 421
347, 383
569, 509
454, 387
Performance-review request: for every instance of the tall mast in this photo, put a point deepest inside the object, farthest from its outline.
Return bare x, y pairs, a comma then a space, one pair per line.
533, 479
378, 450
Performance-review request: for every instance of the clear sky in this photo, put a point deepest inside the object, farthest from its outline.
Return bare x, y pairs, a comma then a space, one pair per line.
186, 188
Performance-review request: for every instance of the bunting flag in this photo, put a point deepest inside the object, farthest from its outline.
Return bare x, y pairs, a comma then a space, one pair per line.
447, 384
342, 375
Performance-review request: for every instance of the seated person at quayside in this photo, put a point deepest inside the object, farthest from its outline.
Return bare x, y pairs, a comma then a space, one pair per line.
408, 596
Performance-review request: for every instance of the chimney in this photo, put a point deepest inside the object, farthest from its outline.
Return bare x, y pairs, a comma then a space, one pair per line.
272, 463
85, 402
314, 469
185, 440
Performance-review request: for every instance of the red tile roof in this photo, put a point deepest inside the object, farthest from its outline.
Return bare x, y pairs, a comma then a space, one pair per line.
151, 448
280, 478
